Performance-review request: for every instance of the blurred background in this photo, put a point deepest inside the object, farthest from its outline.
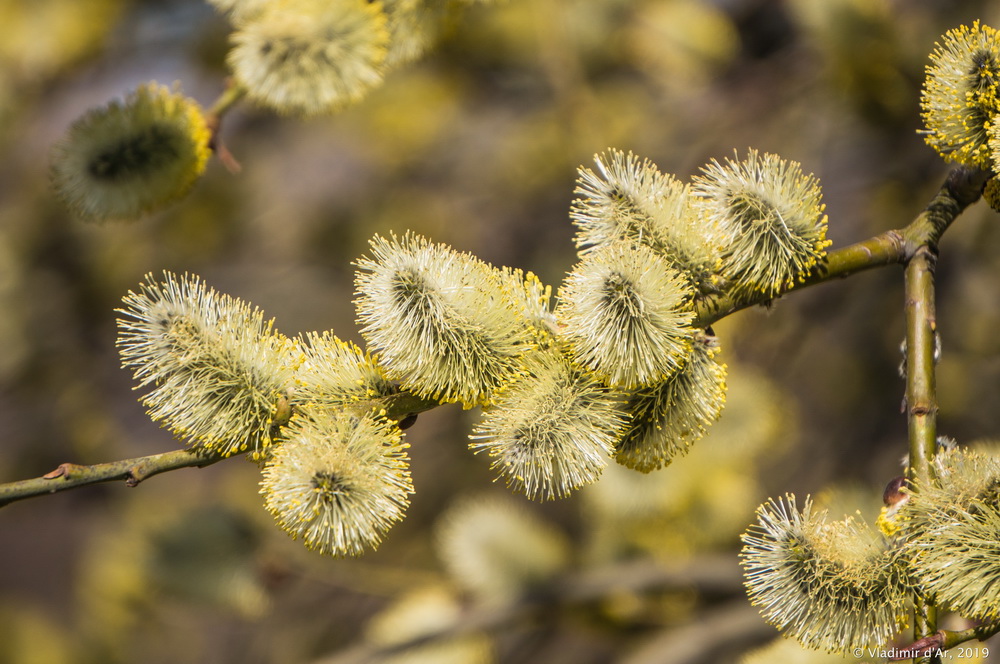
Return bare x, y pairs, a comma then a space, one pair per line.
475, 145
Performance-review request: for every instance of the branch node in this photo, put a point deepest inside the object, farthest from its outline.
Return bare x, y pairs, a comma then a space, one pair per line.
966, 184
63, 470
136, 474
925, 647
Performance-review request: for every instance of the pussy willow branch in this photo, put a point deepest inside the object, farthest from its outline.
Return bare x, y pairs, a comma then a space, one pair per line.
962, 188
946, 640
921, 333
921, 401
233, 93
70, 475
950, 639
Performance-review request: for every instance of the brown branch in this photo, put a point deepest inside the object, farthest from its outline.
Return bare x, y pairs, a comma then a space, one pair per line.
943, 640
213, 118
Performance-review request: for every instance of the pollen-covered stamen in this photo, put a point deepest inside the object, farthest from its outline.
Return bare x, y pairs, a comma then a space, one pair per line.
772, 217
335, 373
959, 100
215, 369
665, 419
332, 489
629, 199
626, 315
984, 71
338, 481
445, 324
551, 430
620, 296
758, 215
954, 526
830, 585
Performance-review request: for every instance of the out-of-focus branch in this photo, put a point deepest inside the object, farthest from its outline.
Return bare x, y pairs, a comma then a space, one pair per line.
717, 575
735, 626
213, 117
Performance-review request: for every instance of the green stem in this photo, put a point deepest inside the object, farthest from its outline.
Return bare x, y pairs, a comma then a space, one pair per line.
921, 343
888, 248
962, 188
233, 93
951, 639
133, 471
921, 402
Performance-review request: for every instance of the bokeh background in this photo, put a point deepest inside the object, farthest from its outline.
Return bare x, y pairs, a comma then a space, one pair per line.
476, 145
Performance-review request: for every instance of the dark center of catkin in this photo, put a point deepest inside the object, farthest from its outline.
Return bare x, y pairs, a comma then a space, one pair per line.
982, 102
986, 500
407, 286
137, 155
749, 210
619, 293
331, 486
983, 72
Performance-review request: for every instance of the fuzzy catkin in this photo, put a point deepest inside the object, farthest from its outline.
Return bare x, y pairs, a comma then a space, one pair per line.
442, 322
626, 315
338, 481
552, 430
959, 100
310, 57
953, 532
631, 200
215, 368
771, 215
130, 158
667, 418
833, 586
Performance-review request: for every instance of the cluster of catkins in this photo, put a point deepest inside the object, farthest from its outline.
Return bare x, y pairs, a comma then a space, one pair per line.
842, 585
295, 57
617, 369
